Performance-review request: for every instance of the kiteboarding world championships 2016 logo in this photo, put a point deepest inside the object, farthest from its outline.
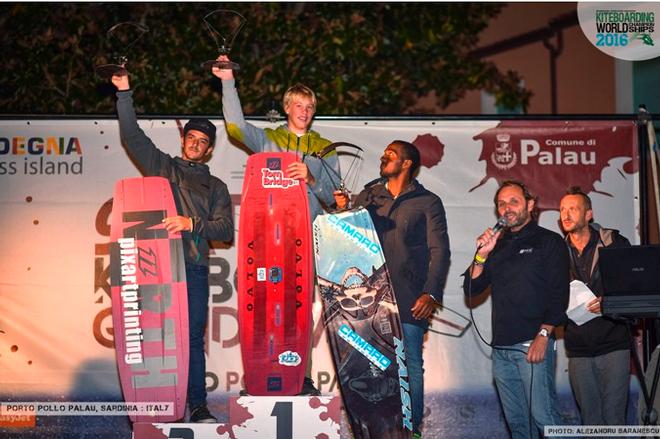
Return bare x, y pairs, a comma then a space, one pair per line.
623, 30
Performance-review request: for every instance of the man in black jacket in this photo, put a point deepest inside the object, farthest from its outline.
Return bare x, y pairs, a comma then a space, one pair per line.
412, 228
526, 267
205, 214
599, 350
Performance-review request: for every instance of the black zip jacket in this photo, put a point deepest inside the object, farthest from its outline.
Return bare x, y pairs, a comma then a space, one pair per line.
413, 234
197, 193
601, 335
528, 275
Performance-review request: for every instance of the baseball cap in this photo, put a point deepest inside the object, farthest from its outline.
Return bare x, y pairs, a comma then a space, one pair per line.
203, 125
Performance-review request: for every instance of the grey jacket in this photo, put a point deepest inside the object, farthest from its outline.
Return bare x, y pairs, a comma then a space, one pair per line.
197, 193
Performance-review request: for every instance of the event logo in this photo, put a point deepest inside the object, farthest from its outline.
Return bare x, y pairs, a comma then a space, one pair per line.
40, 155
550, 156
621, 30
276, 179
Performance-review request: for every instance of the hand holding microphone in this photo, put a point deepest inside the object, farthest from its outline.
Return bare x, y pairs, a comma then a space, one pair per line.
486, 242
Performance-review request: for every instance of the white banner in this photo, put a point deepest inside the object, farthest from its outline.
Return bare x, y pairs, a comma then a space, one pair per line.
56, 181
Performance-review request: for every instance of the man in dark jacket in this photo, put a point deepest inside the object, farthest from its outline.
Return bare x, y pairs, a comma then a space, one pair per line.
205, 214
412, 228
526, 268
599, 350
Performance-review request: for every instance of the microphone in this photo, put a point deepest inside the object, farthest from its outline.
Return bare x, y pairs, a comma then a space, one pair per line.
499, 225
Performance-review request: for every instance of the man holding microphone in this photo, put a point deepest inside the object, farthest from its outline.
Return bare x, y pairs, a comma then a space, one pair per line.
526, 267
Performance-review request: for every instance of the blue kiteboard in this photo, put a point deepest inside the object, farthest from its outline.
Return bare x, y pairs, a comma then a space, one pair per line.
363, 327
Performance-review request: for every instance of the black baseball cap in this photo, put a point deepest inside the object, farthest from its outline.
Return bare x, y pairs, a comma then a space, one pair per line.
203, 125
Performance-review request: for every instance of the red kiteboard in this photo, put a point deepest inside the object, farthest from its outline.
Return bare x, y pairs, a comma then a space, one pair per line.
149, 298
275, 276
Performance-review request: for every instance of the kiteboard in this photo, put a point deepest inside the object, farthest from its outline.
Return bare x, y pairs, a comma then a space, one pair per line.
149, 298
362, 323
275, 277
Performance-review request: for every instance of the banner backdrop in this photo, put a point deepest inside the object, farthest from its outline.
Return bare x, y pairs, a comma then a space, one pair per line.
56, 182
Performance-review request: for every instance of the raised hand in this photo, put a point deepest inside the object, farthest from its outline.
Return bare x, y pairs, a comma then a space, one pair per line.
223, 73
121, 81
486, 242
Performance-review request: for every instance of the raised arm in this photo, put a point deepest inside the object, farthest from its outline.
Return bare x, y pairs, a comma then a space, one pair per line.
140, 147
237, 128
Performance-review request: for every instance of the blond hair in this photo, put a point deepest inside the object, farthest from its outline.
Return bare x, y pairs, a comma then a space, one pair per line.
297, 91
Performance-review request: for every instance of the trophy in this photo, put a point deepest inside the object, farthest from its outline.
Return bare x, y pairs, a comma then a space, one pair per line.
121, 38
230, 24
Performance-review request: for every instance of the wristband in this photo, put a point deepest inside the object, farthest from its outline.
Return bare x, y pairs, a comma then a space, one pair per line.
479, 260
192, 224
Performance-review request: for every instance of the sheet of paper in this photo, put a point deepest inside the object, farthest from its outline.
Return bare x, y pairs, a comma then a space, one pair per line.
577, 310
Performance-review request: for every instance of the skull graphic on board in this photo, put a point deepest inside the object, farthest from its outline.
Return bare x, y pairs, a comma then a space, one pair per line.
357, 294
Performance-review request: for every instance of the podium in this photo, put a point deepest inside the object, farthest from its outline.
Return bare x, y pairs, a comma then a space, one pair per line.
258, 417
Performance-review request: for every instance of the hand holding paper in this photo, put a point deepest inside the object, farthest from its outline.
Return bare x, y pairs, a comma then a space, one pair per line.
594, 306
583, 305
